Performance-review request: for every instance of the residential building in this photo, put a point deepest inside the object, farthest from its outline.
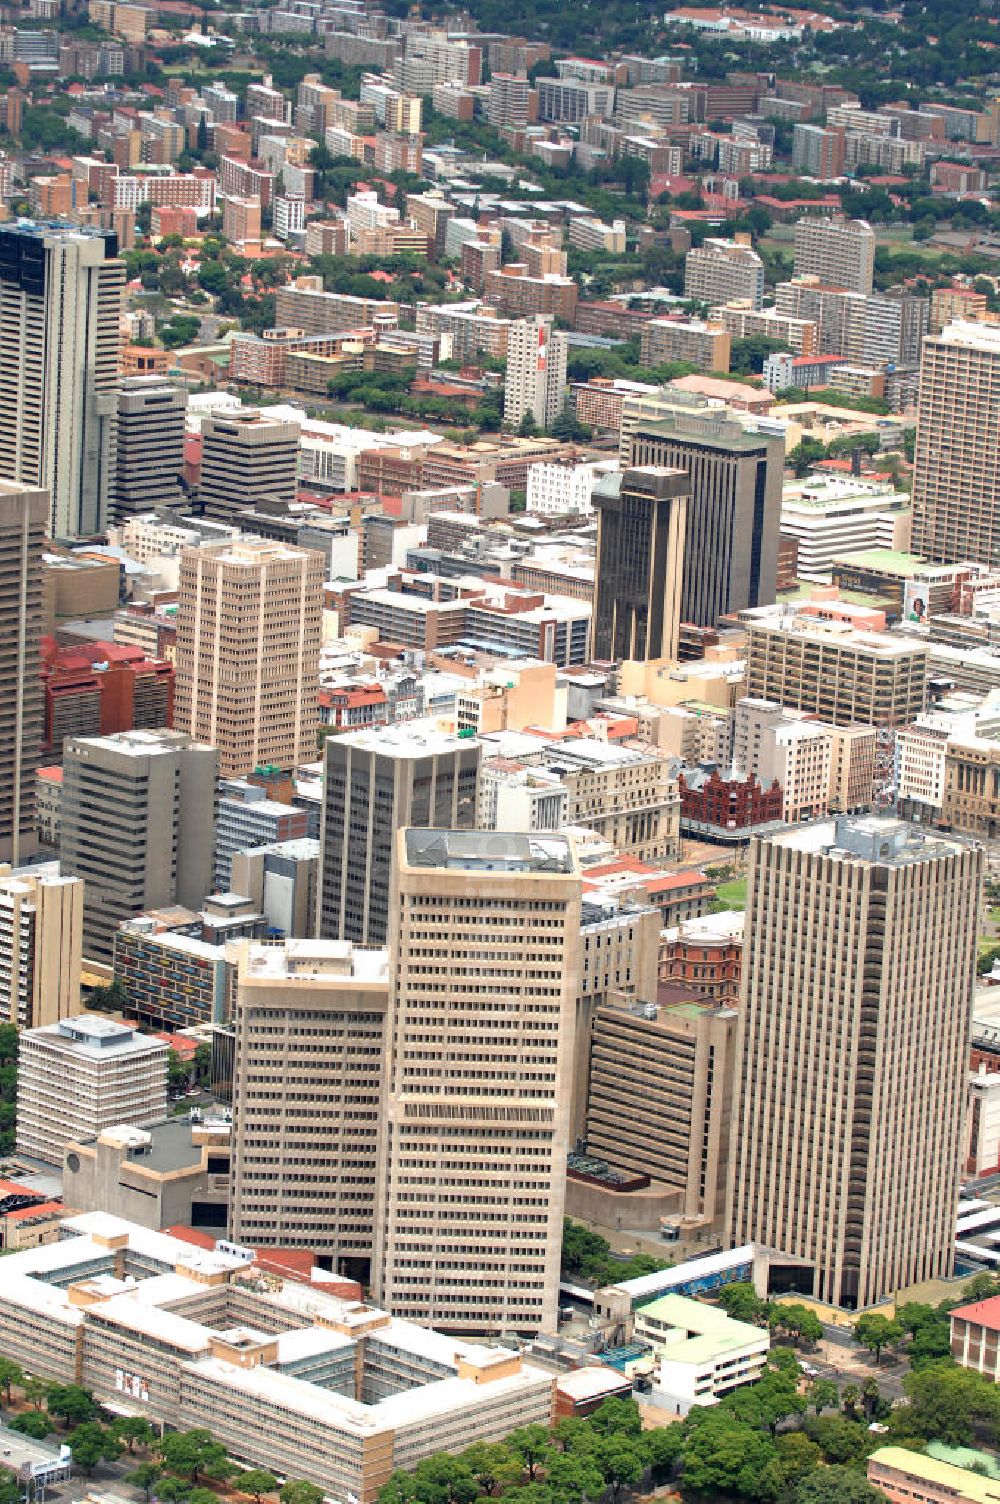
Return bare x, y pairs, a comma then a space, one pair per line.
820, 1005
60, 305
246, 457
705, 345
722, 271
309, 1382
310, 1023
249, 624
700, 1354
478, 1079
735, 469
830, 669
642, 516
150, 458
672, 1064
377, 781
41, 946
818, 152
304, 305
840, 252
516, 294
565, 490
24, 516
956, 478
83, 1074
138, 825
535, 383
509, 102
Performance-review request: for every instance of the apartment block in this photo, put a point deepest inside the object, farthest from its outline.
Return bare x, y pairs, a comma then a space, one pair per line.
535, 381
721, 271
516, 294
304, 305
83, 1074
41, 946
831, 1161
478, 1079
248, 637
172, 980
23, 524
818, 152
840, 252
705, 345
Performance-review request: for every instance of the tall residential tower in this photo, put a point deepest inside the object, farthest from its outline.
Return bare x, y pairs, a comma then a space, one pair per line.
23, 518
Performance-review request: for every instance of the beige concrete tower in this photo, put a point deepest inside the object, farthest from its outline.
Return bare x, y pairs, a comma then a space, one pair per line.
956, 461
310, 1036
249, 623
23, 517
840, 252
41, 946
853, 1046
60, 306
478, 1079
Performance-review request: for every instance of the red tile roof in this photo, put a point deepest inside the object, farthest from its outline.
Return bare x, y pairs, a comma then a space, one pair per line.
982, 1313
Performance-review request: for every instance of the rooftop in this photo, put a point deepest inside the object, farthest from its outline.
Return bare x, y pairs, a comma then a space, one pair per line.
485, 851
870, 838
954, 1482
418, 738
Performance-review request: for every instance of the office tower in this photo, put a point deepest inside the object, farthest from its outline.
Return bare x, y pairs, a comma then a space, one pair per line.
536, 373
41, 946
249, 621
642, 516
281, 881
83, 1074
150, 445
478, 1079
60, 303
854, 1049
735, 475
376, 781
246, 457
846, 677
721, 271
138, 825
23, 517
840, 252
310, 1041
247, 818
956, 460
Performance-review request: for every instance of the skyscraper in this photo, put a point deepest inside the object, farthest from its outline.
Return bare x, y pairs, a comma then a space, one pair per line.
854, 1043
840, 252
246, 457
23, 517
476, 1106
138, 825
41, 936
641, 529
956, 460
249, 622
310, 1038
376, 781
150, 445
735, 476
60, 304
535, 383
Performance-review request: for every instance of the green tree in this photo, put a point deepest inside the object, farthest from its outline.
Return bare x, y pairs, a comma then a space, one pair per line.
572, 1477
35, 1391
871, 1397
836, 1485
617, 1418
945, 1403
92, 1443
850, 1398
797, 1455
34, 1423
741, 1301
188, 1454
877, 1332
840, 1440
10, 1373
805, 455
172, 1490
531, 1443
145, 1477
10, 1491
622, 1461
722, 1455
258, 1482
823, 1395
527, 428
298, 1491
663, 1447
493, 1465
71, 1404
133, 1429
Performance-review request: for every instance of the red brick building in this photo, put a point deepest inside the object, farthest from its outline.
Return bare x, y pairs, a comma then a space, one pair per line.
726, 806
102, 688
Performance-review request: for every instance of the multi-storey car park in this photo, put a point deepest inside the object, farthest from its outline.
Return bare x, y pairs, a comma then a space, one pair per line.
285, 1375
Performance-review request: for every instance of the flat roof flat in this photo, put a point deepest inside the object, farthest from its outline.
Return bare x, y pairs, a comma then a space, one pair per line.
480, 850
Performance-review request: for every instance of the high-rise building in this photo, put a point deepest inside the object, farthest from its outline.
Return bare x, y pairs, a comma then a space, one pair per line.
376, 781
23, 517
818, 152
150, 445
41, 940
138, 825
721, 271
854, 1050
536, 373
246, 457
83, 1074
956, 461
60, 304
840, 252
310, 1041
642, 516
735, 474
478, 1081
249, 623
830, 670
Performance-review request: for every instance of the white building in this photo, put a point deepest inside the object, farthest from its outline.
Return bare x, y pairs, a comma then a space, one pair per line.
81, 1075
832, 515
920, 758
520, 798
700, 1353
536, 373
560, 490
289, 215
982, 1124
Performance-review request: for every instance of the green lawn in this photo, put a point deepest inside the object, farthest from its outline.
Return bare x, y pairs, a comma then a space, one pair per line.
733, 895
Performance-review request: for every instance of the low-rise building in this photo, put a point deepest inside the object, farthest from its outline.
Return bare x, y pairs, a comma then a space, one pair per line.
173, 1173
906, 1477
701, 1354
